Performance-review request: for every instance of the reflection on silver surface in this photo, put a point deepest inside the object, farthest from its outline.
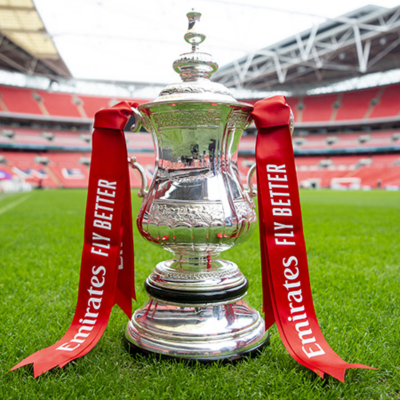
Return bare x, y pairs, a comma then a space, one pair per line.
195, 332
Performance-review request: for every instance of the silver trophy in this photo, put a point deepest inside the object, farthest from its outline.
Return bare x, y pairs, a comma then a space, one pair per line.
196, 207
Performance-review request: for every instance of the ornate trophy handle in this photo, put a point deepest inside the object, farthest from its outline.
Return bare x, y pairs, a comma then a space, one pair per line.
138, 121
291, 122
251, 191
135, 165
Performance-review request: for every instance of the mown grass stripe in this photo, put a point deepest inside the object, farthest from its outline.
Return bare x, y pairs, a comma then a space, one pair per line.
13, 204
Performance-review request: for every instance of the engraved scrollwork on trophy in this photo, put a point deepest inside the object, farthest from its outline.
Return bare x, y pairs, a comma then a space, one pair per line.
146, 122
174, 89
173, 214
238, 120
244, 210
187, 118
187, 178
200, 276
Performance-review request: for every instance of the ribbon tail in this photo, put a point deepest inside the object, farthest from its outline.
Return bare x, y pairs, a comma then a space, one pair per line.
39, 366
26, 361
339, 372
107, 223
268, 310
285, 276
126, 273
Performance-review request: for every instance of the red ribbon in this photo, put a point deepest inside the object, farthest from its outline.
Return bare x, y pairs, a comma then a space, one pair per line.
107, 268
287, 295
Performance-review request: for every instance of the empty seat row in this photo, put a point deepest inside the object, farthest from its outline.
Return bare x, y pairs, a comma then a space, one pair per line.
40, 102
142, 142
59, 169
377, 171
378, 102
334, 141
71, 170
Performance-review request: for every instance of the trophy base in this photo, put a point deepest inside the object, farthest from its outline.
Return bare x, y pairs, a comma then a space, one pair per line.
252, 351
205, 333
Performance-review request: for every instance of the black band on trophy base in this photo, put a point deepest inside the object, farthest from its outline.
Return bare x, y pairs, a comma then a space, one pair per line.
236, 356
186, 297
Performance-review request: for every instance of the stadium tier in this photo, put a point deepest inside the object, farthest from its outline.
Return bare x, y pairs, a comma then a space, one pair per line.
372, 103
41, 139
91, 105
340, 141
317, 108
342, 172
57, 104
59, 170
382, 102
357, 104
41, 102
17, 100
388, 104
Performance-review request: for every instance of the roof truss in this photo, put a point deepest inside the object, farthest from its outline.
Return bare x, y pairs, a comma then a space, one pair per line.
366, 40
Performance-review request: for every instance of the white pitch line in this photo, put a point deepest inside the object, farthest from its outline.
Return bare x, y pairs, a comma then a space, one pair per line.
12, 205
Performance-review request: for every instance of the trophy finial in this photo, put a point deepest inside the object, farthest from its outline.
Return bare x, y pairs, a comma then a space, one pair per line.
195, 65
193, 36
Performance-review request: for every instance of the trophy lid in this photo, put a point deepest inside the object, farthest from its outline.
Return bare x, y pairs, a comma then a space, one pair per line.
195, 69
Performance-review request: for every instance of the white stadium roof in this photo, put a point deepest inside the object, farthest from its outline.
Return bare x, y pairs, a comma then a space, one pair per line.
25, 45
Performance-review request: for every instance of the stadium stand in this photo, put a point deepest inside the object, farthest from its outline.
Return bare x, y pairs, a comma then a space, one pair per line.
357, 104
50, 153
318, 108
30, 168
379, 102
91, 104
378, 171
16, 100
41, 102
389, 104
59, 104
68, 169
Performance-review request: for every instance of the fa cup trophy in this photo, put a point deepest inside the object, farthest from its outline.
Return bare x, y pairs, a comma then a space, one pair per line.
196, 207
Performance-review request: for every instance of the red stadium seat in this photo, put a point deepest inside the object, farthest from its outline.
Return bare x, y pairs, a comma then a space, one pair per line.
318, 108
23, 165
19, 101
92, 104
356, 104
60, 104
389, 104
68, 170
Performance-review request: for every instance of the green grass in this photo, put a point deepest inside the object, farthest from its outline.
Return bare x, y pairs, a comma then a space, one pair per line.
353, 242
